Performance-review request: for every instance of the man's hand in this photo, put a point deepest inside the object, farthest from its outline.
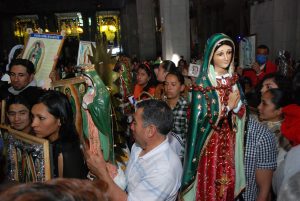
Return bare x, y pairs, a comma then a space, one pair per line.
256, 67
101, 169
98, 166
96, 163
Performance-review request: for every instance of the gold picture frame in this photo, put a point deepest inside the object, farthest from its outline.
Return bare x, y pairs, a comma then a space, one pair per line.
28, 157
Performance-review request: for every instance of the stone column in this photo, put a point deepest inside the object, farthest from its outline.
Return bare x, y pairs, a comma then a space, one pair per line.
175, 29
146, 29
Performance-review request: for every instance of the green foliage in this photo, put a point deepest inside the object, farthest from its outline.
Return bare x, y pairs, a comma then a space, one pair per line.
103, 61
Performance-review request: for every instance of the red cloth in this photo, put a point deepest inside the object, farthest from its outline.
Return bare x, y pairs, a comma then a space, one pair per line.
255, 79
216, 169
290, 126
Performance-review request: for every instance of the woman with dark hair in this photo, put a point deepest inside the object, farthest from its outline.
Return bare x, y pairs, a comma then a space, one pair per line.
144, 82
174, 86
270, 81
270, 113
164, 68
52, 118
275, 80
213, 167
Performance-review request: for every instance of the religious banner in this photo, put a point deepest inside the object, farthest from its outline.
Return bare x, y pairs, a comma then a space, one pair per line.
28, 157
84, 51
75, 89
43, 50
247, 47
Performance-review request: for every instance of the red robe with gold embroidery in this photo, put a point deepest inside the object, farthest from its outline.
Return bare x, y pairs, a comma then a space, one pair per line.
216, 169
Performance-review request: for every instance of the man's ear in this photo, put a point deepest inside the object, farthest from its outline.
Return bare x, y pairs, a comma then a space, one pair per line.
151, 130
31, 77
59, 122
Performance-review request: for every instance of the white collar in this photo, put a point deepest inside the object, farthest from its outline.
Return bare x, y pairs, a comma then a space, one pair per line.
158, 149
16, 92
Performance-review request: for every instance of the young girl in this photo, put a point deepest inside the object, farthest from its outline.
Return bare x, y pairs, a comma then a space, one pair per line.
143, 82
174, 86
270, 113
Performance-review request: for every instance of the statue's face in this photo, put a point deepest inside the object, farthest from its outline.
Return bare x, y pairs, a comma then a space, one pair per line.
222, 58
90, 93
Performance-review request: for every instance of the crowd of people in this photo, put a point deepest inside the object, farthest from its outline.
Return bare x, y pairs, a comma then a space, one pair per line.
227, 134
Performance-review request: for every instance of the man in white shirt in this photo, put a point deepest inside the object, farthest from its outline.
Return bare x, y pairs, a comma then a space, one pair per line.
154, 170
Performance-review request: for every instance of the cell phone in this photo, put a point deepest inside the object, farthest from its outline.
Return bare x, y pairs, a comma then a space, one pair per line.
132, 100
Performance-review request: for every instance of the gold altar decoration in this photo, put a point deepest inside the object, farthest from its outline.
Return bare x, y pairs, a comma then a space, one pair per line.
24, 24
109, 26
70, 23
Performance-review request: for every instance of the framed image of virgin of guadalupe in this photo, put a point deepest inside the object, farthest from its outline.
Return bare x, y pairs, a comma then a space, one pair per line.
42, 50
84, 51
74, 88
28, 157
247, 48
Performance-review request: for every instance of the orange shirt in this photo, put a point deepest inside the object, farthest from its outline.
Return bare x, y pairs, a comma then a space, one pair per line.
139, 89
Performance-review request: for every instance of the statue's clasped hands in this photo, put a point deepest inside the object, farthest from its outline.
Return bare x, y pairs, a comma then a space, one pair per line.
234, 98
